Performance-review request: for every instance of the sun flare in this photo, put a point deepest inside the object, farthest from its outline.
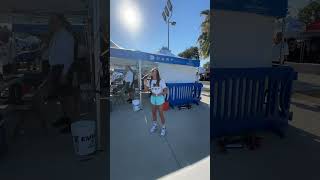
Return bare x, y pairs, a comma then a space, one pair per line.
130, 16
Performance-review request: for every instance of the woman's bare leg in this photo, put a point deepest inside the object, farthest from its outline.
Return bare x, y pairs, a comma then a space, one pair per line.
161, 115
154, 113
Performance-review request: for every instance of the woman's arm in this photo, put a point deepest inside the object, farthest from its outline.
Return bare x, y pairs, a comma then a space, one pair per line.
164, 87
146, 88
165, 91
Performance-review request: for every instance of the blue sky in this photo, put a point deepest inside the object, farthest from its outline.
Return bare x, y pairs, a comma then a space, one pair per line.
151, 34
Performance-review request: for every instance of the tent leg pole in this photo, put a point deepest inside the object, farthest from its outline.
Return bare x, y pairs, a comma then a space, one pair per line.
140, 83
96, 36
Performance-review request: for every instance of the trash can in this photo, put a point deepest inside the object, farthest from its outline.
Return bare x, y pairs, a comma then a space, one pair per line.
84, 137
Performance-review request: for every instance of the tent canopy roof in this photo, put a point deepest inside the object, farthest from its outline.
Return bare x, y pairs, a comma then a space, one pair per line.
114, 45
43, 6
132, 55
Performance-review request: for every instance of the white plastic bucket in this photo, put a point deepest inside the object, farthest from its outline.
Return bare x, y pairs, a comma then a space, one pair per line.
84, 137
136, 105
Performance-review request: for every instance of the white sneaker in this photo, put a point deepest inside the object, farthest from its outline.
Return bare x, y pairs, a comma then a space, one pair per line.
154, 128
163, 131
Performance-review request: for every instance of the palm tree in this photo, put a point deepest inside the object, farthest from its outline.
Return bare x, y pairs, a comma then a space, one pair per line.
203, 39
190, 53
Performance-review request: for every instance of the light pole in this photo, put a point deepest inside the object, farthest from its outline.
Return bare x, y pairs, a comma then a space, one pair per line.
166, 14
170, 23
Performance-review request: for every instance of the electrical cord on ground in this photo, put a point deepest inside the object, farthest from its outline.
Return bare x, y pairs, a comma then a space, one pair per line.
173, 153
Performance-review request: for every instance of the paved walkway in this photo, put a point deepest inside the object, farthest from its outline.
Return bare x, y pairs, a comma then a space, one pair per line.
307, 83
206, 85
51, 156
294, 157
137, 154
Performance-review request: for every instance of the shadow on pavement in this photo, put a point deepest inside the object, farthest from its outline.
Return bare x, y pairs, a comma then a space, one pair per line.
207, 95
307, 107
300, 86
294, 157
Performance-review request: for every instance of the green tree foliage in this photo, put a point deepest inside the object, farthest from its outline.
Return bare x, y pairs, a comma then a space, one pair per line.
310, 13
190, 53
206, 65
203, 39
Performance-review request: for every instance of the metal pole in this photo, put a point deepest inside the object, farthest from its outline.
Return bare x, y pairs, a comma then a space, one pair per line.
282, 41
168, 34
90, 45
96, 36
301, 51
140, 83
13, 45
303, 48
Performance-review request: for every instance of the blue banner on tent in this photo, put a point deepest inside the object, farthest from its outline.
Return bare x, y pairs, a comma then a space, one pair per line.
275, 8
138, 55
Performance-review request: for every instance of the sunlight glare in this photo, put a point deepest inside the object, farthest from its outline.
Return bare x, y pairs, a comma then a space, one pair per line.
130, 16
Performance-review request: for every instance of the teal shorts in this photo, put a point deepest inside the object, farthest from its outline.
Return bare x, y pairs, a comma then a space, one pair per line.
157, 100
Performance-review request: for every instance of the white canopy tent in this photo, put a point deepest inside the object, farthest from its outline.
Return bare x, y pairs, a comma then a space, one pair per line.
172, 69
179, 71
114, 45
33, 10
